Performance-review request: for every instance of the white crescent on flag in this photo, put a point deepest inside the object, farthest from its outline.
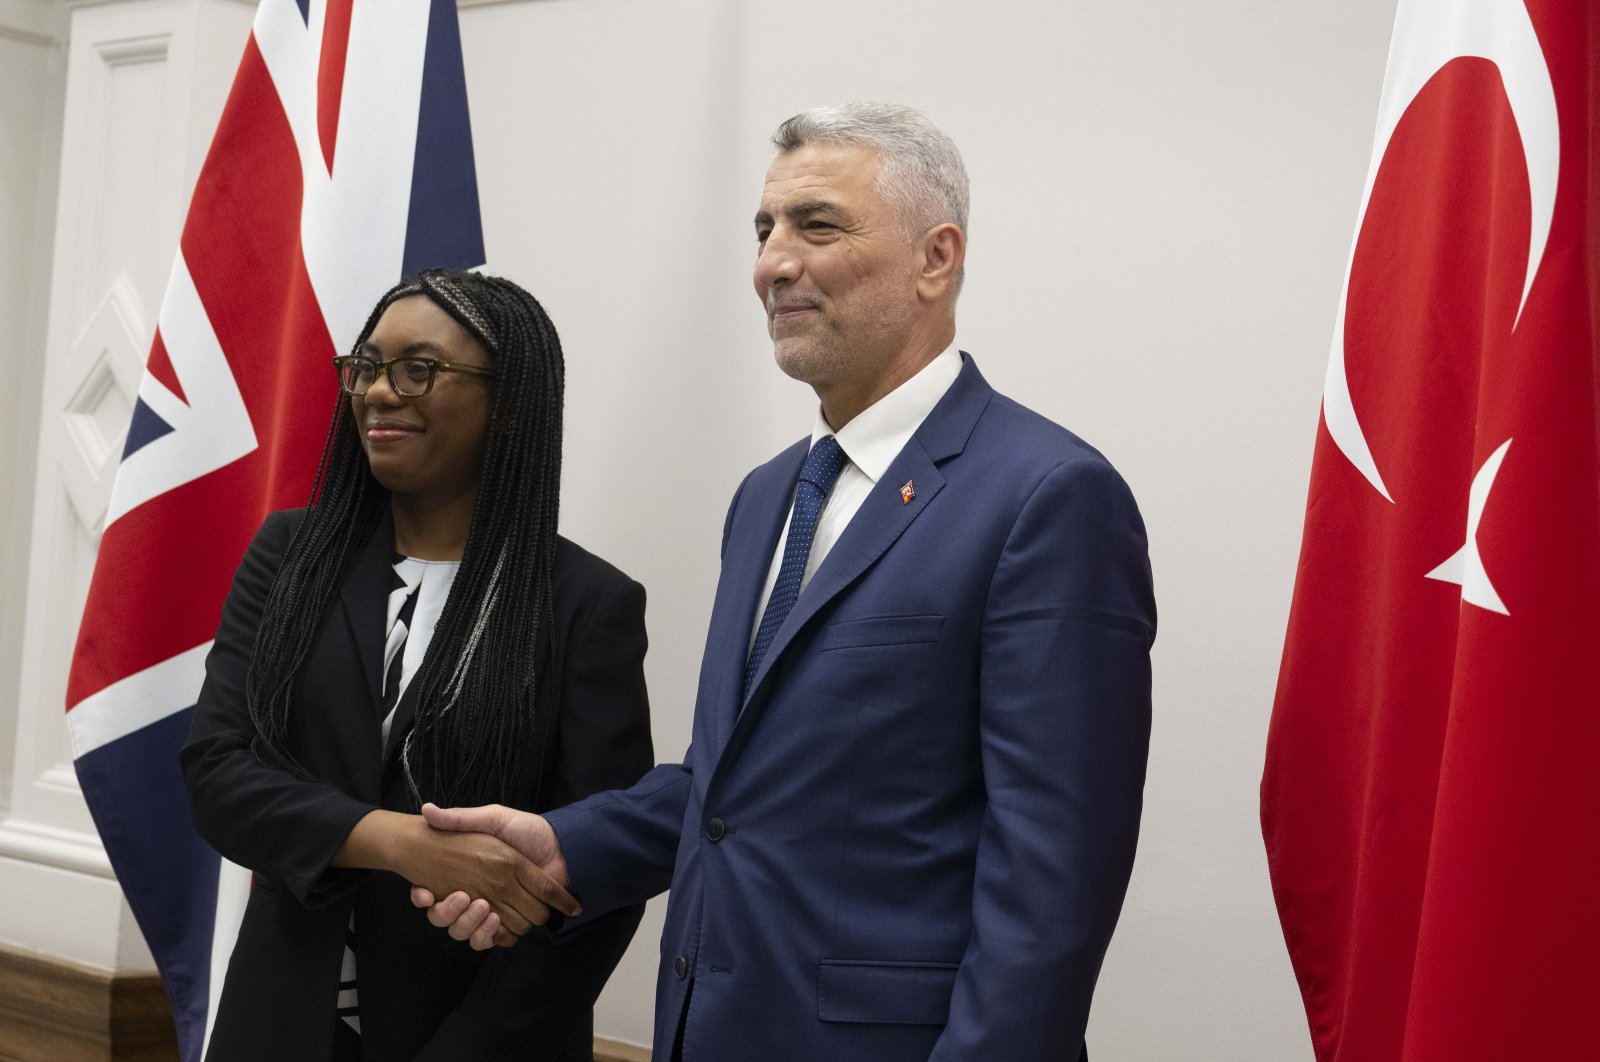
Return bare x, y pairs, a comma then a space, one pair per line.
1465, 566
1428, 35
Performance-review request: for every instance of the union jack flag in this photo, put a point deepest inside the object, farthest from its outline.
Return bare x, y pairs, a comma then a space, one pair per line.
343, 161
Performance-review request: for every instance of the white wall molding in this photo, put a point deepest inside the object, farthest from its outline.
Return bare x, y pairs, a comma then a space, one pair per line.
52, 846
107, 360
91, 922
145, 80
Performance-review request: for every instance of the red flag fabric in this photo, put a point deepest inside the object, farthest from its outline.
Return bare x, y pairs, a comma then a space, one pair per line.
1431, 797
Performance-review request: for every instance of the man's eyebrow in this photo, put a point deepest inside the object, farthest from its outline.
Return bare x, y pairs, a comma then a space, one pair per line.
811, 208
796, 211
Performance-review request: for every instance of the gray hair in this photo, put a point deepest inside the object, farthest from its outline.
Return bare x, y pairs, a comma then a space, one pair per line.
920, 170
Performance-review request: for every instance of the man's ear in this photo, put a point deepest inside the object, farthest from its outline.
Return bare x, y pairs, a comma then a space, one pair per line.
942, 249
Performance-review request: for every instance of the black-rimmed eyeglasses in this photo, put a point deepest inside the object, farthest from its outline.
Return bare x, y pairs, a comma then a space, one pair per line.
410, 377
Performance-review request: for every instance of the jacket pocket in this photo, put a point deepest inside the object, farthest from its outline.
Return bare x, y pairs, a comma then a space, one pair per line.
881, 630
887, 993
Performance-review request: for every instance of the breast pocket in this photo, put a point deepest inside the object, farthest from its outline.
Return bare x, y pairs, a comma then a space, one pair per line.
881, 630
885, 993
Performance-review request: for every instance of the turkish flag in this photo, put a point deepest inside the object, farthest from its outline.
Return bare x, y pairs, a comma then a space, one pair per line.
1431, 797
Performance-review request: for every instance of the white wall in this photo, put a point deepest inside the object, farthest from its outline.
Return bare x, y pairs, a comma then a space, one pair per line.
1163, 200
1164, 194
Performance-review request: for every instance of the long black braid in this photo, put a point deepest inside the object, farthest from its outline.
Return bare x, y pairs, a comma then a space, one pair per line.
476, 721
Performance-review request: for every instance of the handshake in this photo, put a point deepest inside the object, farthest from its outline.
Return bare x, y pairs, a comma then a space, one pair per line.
508, 887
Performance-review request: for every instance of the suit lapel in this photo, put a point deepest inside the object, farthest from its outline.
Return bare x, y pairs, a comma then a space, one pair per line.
758, 516
885, 514
882, 518
365, 593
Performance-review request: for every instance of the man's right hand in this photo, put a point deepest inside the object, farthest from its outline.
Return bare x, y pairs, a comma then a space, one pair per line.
478, 864
472, 918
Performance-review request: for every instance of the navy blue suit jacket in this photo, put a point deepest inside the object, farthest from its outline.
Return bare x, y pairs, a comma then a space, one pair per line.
912, 840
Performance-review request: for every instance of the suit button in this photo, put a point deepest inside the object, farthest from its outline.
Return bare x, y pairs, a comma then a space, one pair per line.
680, 966
715, 829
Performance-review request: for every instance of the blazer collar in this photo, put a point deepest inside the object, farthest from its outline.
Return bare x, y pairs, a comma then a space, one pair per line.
365, 592
756, 519
885, 514
365, 596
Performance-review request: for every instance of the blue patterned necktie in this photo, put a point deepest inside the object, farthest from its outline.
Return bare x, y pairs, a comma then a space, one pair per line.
817, 476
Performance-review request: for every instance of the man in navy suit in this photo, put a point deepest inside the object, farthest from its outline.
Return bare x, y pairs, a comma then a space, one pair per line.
905, 824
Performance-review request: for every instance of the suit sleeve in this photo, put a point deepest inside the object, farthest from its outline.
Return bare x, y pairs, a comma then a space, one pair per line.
538, 988
620, 846
1064, 722
259, 816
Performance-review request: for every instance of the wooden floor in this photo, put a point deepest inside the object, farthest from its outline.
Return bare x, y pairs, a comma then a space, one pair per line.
612, 1051
54, 1011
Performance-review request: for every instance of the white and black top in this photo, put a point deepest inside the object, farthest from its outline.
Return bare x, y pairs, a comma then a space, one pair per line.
417, 593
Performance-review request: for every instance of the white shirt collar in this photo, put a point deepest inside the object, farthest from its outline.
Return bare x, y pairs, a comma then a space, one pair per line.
878, 433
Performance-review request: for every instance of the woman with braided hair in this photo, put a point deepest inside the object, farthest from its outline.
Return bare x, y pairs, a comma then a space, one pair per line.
418, 633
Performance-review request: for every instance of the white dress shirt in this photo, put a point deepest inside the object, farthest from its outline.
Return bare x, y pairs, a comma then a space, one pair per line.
871, 441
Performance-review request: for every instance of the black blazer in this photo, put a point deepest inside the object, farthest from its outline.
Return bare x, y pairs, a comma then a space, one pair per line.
422, 994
